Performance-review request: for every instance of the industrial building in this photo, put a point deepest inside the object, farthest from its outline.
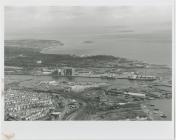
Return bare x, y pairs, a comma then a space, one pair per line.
65, 71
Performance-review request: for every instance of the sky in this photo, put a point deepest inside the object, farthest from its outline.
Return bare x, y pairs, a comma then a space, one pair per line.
54, 22
123, 26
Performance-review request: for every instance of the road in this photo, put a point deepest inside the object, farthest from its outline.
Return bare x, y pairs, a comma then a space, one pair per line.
85, 110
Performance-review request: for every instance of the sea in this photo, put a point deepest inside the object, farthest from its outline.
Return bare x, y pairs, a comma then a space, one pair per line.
165, 106
149, 51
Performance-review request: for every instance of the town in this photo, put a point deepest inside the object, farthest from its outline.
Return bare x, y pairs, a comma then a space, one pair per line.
59, 100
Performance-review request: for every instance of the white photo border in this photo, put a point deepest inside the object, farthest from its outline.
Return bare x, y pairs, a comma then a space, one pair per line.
88, 130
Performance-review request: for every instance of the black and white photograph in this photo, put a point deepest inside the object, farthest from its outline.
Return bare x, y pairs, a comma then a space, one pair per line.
88, 63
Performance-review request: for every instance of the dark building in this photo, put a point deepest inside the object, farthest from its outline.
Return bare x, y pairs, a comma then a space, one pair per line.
68, 72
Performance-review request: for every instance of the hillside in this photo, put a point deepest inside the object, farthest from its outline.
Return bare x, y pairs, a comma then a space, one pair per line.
27, 52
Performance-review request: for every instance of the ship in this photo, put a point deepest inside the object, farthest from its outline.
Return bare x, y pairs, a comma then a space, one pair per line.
142, 77
88, 41
108, 77
162, 115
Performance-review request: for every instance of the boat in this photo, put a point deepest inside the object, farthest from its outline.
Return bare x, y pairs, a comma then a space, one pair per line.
163, 116
88, 41
155, 112
108, 77
142, 77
